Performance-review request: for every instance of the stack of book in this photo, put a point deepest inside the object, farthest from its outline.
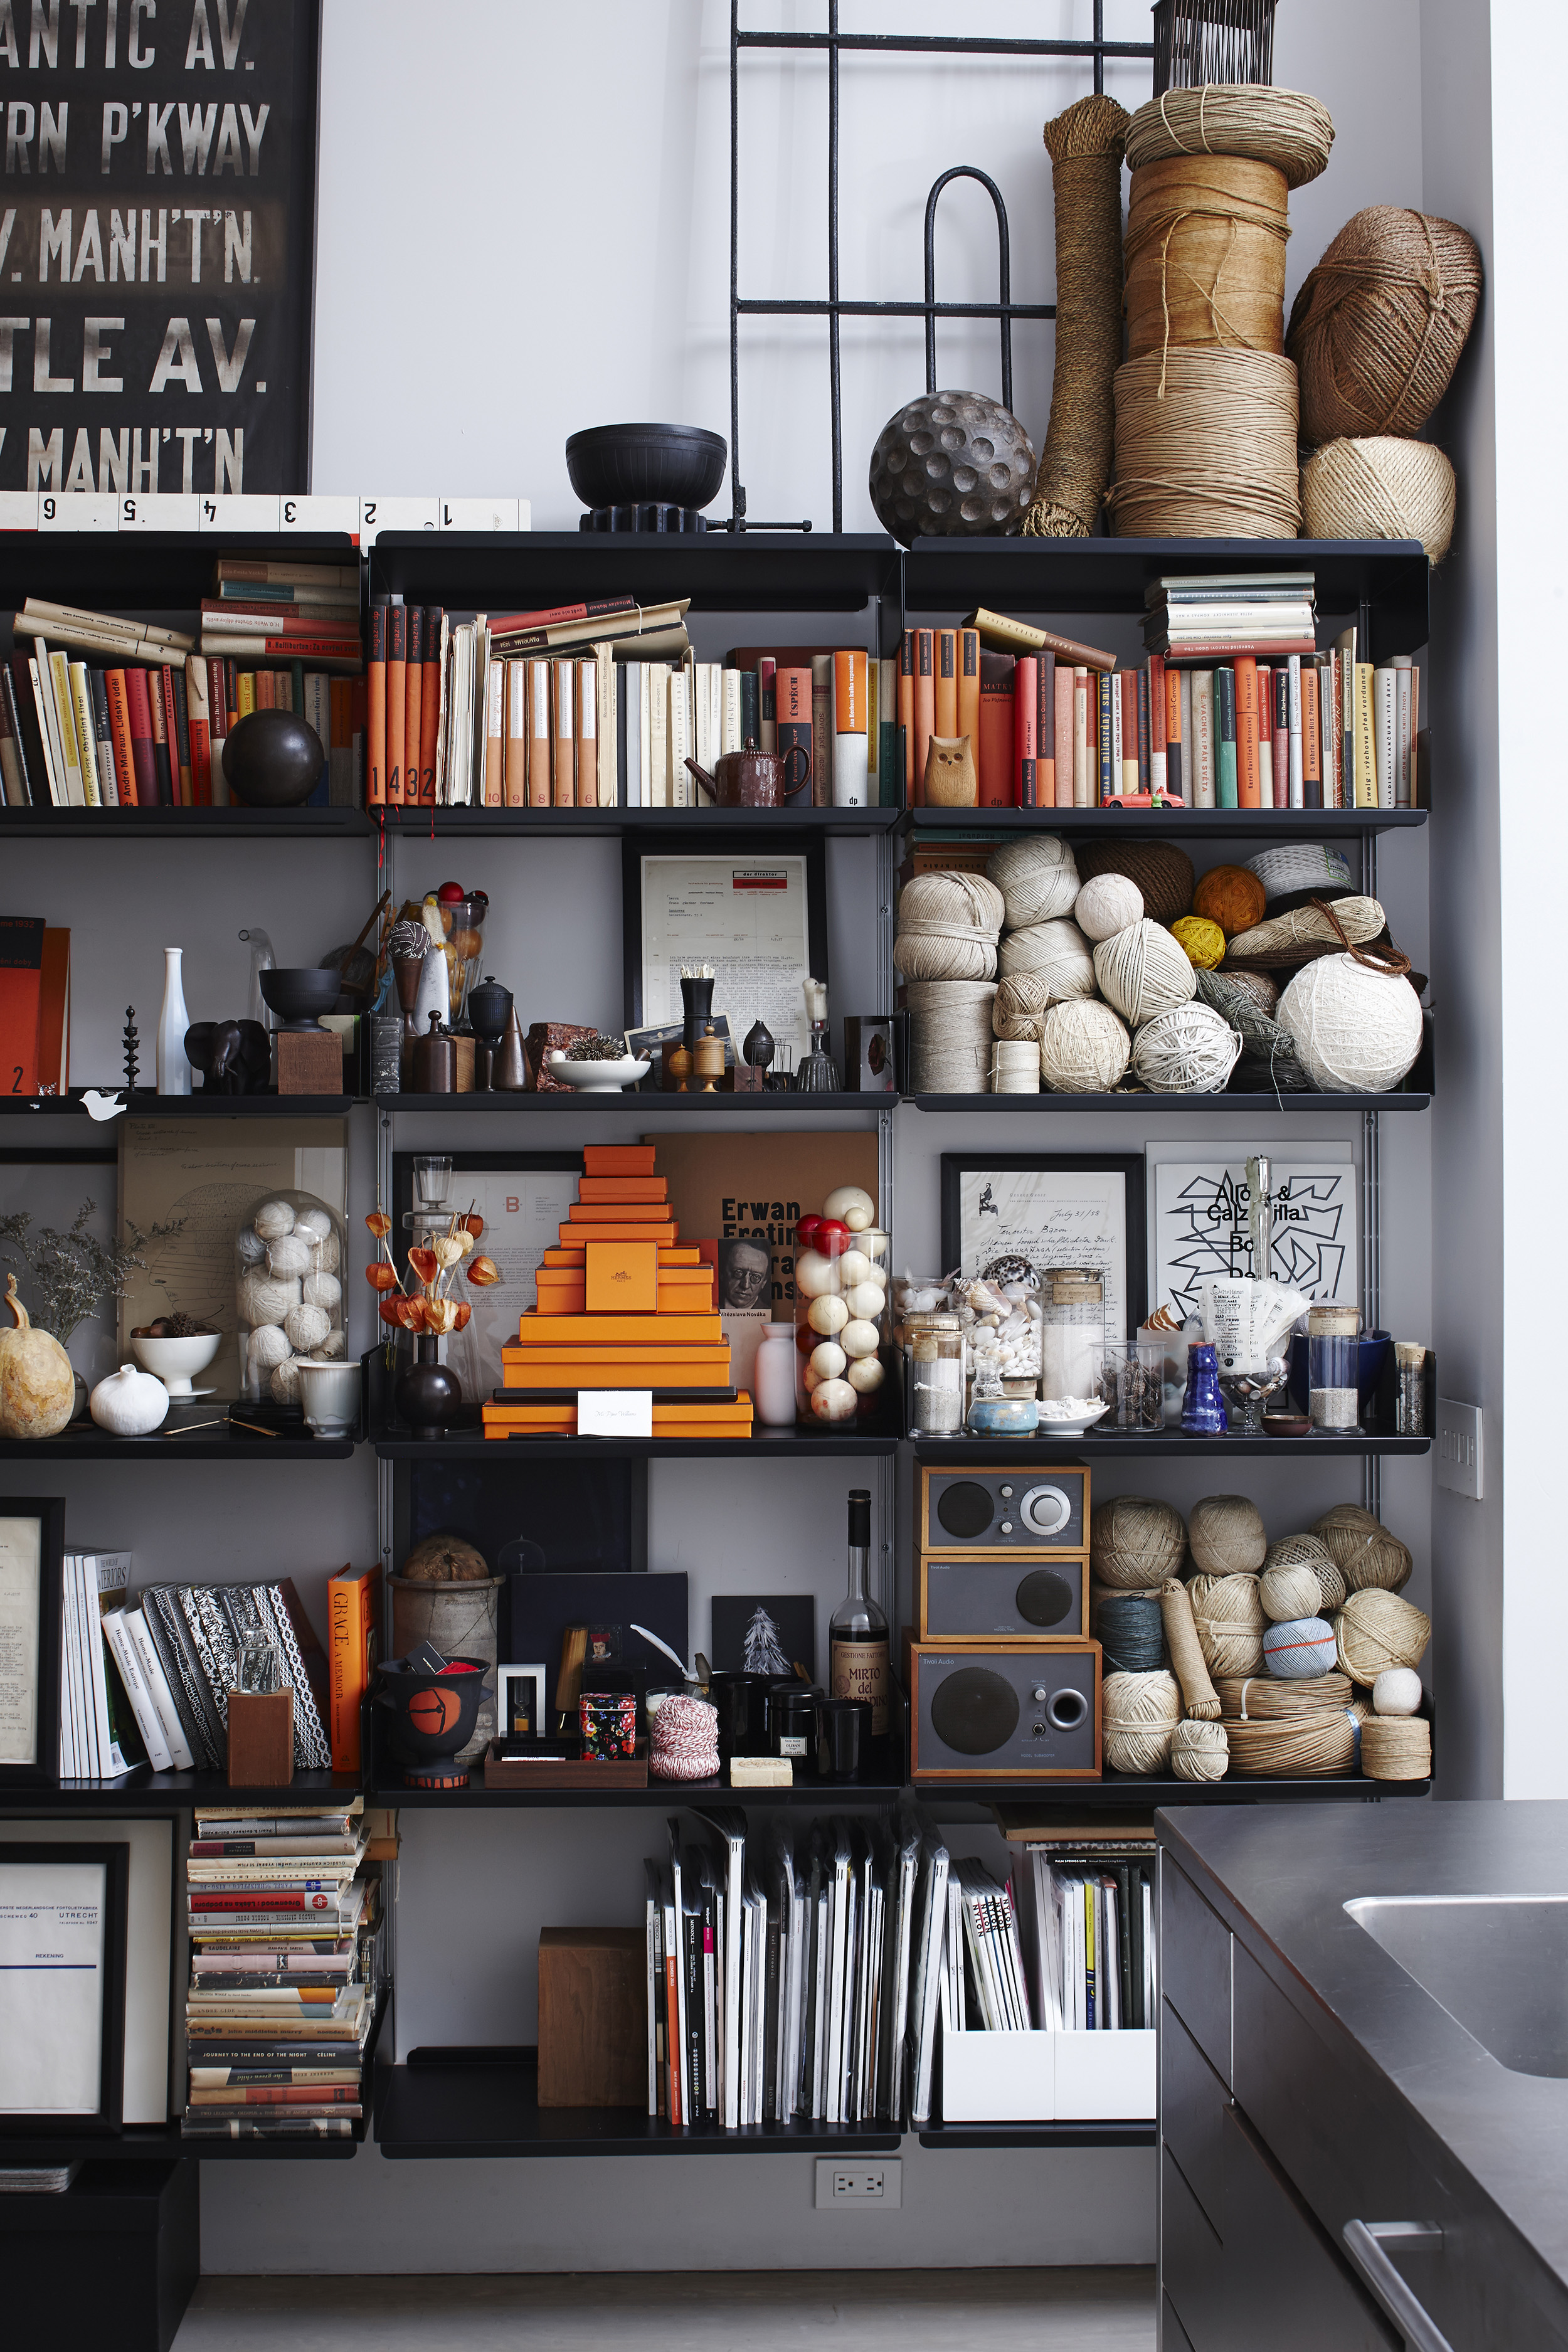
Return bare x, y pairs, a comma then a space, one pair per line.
126, 726
101, 1735
281, 636
620, 1305
285, 1928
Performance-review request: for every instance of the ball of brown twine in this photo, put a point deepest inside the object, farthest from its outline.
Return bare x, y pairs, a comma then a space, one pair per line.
1229, 1615
1309, 1747
948, 926
1265, 1698
1375, 1629
1085, 144
1135, 1542
1362, 1548
1226, 1534
1284, 127
1206, 447
1378, 326
1200, 1752
1139, 1715
1397, 1747
1205, 254
1380, 487
1163, 873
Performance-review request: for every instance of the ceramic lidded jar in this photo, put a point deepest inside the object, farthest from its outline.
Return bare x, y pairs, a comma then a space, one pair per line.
290, 1261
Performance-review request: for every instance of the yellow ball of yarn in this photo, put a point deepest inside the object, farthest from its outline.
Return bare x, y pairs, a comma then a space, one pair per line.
1202, 942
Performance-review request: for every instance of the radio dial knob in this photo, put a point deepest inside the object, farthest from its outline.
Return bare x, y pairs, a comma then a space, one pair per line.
1005, 1493
1041, 1694
1044, 1510
1006, 1527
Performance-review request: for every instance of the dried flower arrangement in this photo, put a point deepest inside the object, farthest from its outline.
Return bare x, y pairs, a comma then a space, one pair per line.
432, 1263
72, 1273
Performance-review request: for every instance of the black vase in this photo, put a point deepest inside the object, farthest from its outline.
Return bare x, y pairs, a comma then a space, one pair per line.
758, 1048
428, 1397
697, 996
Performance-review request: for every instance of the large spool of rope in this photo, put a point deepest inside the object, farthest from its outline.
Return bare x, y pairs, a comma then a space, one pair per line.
949, 1035
1205, 254
1284, 127
948, 926
1378, 326
1206, 447
1085, 145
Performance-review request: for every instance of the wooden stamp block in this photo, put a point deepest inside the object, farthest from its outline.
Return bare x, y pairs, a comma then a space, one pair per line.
592, 2017
309, 1061
260, 1740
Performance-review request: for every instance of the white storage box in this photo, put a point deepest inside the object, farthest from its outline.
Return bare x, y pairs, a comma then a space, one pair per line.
1007, 2078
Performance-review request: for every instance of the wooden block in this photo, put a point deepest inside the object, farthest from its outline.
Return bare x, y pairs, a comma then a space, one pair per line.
261, 1736
547, 1037
465, 1051
760, 1772
621, 1277
592, 2017
309, 1061
747, 1081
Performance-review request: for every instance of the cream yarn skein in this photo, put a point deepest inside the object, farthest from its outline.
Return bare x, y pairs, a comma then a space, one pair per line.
1357, 1031
1057, 949
1037, 878
948, 925
1191, 1050
1143, 971
1200, 1752
1229, 1615
1226, 1535
1139, 1715
1376, 1630
1084, 1049
1380, 487
1107, 903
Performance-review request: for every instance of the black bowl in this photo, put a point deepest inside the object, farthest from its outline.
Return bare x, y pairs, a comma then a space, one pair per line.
433, 1715
634, 464
299, 992
273, 760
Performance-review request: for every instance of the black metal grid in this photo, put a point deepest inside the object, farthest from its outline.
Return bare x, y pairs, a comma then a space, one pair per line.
1097, 48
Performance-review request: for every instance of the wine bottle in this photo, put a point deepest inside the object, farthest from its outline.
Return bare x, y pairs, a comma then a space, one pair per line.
857, 1636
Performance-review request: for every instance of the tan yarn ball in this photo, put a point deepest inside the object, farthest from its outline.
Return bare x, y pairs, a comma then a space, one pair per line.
1037, 878
1362, 1549
1190, 1050
1084, 1049
1376, 1630
1229, 1615
1310, 1552
1200, 1752
1023, 1000
1380, 488
1289, 1592
1226, 1535
1143, 971
1057, 949
1139, 1715
1135, 1542
1377, 328
1107, 903
948, 925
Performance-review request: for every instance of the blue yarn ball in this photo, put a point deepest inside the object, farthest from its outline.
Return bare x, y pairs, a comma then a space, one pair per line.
1299, 1648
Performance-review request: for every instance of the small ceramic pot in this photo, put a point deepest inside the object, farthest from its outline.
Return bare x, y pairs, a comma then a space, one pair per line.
329, 1395
433, 1715
753, 778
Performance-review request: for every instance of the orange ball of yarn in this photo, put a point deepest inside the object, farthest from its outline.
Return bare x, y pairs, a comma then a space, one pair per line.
1232, 896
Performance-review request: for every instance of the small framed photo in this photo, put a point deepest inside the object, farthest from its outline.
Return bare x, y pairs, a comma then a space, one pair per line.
32, 1541
1051, 1209
520, 1702
62, 1948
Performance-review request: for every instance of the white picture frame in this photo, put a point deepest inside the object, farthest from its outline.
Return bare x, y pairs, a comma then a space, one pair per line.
518, 1680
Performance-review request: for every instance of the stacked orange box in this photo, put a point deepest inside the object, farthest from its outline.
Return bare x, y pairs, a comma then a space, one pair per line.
621, 1306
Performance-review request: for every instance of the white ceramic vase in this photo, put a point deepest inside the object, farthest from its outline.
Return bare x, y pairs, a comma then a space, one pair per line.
173, 1069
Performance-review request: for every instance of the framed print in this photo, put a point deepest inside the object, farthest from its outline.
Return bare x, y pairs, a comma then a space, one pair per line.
758, 919
520, 1702
32, 1541
764, 1632
62, 1950
1051, 1207
523, 1198
1199, 1217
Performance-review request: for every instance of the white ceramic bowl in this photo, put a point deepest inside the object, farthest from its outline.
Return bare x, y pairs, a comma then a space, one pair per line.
1051, 1427
176, 1361
598, 1078
329, 1396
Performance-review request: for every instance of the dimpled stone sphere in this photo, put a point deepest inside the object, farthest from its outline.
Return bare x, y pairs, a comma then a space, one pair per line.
950, 463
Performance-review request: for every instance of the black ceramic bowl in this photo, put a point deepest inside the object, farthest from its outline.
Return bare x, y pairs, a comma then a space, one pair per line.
634, 464
273, 760
433, 1715
296, 992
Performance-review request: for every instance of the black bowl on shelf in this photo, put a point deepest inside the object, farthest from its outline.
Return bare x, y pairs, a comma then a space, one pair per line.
296, 992
637, 465
273, 760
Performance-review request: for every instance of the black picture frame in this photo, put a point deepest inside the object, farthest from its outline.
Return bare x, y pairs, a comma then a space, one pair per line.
106, 2117
49, 1510
1127, 1165
638, 846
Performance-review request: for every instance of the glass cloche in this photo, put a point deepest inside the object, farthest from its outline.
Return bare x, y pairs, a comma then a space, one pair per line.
290, 1257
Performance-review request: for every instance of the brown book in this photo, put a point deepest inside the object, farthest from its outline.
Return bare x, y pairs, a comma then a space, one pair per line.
821, 731
396, 701
944, 721
514, 699
414, 703
563, 766
537, 690
376, 711
495, 732
430, 703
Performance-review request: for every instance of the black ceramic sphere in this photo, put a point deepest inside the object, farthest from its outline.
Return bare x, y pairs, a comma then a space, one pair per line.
273, 760
633, 465
950, 464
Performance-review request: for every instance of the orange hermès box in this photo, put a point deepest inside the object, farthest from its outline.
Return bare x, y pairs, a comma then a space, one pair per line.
538, 1331
620, 1278
620, 1212
568, 1235
622, 1188
617, 1159
563, 1295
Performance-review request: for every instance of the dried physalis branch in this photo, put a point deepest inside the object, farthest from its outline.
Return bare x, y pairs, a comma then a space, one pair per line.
483, 1273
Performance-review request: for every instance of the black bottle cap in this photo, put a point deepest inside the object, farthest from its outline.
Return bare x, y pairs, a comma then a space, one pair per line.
860, 1516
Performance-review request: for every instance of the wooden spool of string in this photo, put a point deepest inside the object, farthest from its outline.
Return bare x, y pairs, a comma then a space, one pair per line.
1205, 254
1206, 447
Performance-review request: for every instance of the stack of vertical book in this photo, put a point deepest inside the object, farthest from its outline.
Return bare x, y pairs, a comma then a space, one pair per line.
286, 1931
99, 713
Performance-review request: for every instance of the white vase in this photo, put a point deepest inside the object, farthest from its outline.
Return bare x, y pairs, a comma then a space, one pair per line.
173, 1069
773, 1377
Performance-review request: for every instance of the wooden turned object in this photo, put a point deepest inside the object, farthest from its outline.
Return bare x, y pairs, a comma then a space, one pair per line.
260, 1738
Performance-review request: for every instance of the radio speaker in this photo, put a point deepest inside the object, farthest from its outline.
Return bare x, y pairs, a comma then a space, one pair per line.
987, 1596
1017, 1507
1005, 1712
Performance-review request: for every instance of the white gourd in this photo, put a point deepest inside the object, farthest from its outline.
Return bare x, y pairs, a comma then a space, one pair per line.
130, 1403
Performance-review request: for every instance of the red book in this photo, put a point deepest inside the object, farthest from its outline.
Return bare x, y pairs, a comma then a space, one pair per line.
1267, 795
21, 985
1025, 694
139, 705
993, 760
907, 710
198, 728
925, 707
944, 721
413, 705
430, 706
793, 718
397, 700
54, 1013
1178, 773
1156, 668
120, 736
506, 624
166, 794
969, 688
376, 711
1248, 778
284, 620
278, 2095
321, 653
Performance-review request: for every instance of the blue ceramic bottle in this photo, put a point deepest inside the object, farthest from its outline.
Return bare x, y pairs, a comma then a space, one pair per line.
1202, 1406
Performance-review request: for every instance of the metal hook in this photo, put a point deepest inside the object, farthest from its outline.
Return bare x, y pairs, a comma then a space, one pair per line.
968, 172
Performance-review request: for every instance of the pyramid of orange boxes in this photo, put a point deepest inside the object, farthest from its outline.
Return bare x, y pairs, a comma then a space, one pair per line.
620, 1306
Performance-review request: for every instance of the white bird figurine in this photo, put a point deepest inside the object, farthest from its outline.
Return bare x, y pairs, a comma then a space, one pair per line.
101, 1106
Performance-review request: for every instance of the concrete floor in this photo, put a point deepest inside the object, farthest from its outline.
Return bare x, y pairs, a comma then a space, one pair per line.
714, 2311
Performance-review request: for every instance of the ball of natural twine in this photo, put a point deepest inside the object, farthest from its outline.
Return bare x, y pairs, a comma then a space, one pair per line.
1309, 1552
1084, 1049
1135, 1542
1206, 445
1191, 1050
1107, 903
948, 925
1378, 326
949, 1035
1228, 1616
1397, 1747
1163, 872
1199, 1751
1380, 487
1226, 1535
1037, 878
1375, 1629
1290, 1591
1362, 1548
1055, 949
1143, 971
1285, 127
1139, 1715
1268, 1698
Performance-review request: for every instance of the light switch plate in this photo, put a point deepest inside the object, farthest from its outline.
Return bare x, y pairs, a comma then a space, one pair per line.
1459, 1447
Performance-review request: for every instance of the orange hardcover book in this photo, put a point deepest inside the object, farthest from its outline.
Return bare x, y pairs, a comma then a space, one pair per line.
621, 1213
994, 755
413, 706
618, 1159
945, 717
21, 985
376, 711
969, 688
622, 1188
54, 1013
925, 707
907, 710
354, 1646
397, 700
538, 696
1248, 777
198, 723
515, 698
430, 705
120, 736
495, 733
563, 766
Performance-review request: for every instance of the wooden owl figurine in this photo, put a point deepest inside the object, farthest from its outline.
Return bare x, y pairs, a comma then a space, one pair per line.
950, 774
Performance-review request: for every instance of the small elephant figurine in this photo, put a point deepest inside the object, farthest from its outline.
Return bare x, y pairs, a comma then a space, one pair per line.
235, 1057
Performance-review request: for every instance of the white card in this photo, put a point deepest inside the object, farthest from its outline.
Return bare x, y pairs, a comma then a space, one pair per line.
615, 1413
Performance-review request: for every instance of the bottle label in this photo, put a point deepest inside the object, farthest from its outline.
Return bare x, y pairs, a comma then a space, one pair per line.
790, 1746
860, 1670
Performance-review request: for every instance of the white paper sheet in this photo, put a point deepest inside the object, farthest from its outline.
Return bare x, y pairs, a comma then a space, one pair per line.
20, 1569
51, 1967
744, 917
1052, 1216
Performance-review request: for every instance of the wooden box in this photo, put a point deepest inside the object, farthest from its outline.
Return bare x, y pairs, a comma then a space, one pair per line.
592, 2017
309, 1061
260, 1738
568, 1772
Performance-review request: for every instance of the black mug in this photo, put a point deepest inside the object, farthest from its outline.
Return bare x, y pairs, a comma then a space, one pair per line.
843, 1737
742, 1704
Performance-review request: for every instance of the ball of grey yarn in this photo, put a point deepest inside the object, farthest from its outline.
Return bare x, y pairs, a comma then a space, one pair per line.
1084, 1048
947, 927
1057, 949
1107, 904
1143, 971
1188, 1052
1037, 878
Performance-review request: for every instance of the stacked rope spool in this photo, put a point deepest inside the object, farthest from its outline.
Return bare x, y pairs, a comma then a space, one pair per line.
1226, 1653
1206, 400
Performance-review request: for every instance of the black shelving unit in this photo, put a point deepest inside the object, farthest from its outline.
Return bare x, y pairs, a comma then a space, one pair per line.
1190, 826
767, 1445
1286, 1103
689, 824
764, 1106
143, 1104
1038, 2136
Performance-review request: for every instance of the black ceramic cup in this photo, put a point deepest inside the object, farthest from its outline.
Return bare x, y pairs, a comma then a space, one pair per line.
843, 1738
742, 1704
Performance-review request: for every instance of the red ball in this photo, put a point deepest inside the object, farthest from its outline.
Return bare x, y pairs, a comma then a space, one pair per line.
833, 1237
807, 1230
450, 893
432, 1712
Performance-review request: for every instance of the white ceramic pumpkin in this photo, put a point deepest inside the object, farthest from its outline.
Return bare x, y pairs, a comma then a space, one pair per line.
130, 1403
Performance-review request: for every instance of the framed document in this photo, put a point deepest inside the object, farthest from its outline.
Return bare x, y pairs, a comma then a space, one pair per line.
32, 1538
62, 1951
1051, 1207
757, 919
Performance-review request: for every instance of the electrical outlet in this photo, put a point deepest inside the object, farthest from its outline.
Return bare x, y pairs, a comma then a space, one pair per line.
1458, 1464
875, 2185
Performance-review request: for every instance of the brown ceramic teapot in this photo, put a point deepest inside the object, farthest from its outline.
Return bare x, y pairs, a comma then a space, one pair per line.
753, 778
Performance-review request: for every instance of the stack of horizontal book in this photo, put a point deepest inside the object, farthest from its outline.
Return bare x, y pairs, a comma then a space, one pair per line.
283, 635
286, 1960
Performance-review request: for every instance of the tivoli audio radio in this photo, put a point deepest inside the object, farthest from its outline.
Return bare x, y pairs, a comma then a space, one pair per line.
988, 1596
1008, 1711
1006, 1506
